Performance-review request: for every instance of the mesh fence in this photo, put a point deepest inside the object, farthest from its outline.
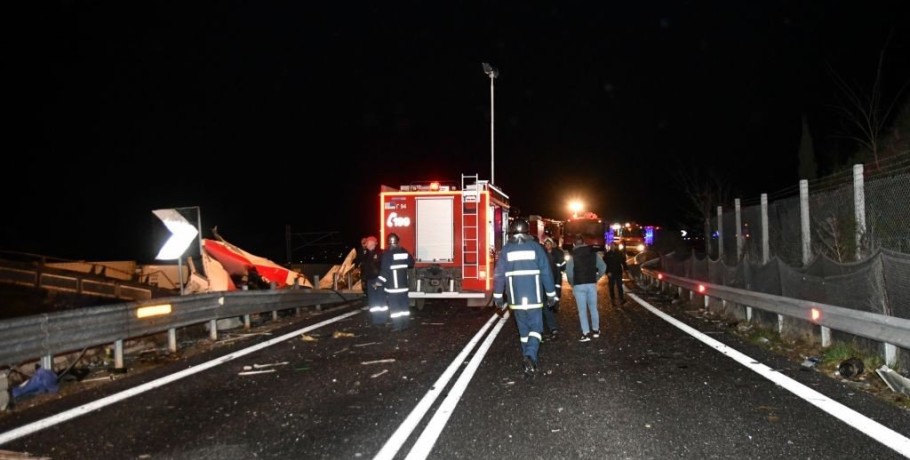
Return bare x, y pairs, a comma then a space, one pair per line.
752, 234
869, 273
784, 230
887, 200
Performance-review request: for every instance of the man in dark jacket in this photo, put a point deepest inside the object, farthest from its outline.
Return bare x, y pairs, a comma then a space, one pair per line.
369, 275
583, 269
616, 264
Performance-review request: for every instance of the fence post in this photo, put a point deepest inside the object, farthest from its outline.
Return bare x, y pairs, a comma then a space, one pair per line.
859, 207
739, 229
804, 221
720, 233
807, 243
765, 244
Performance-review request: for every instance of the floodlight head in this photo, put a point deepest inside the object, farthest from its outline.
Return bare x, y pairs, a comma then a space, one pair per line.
489, 70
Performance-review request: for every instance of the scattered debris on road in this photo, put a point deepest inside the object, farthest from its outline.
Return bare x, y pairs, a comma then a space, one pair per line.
379, 373
264, 371
378, 361
263, 366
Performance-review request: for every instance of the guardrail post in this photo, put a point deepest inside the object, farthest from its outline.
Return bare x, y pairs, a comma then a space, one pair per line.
246, 322
890, 354
274, 315
172, 340
47, 362
826, 336
213, 329
118, 354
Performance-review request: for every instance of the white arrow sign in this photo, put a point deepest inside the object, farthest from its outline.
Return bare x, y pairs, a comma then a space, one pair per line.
182, 234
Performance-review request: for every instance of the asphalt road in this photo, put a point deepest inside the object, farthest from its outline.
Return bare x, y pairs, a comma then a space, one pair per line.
653, 386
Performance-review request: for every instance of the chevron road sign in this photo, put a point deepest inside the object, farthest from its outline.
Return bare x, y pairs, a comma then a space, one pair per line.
182, 234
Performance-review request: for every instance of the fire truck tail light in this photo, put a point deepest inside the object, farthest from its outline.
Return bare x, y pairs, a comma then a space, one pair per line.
816, 314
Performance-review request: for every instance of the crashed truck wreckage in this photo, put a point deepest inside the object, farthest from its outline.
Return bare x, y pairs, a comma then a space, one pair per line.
229, 268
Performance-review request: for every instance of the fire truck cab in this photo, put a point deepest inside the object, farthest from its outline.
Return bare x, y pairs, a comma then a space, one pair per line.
454, 231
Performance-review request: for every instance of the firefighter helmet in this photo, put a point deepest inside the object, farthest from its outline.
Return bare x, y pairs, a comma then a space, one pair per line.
519, 226
393, 239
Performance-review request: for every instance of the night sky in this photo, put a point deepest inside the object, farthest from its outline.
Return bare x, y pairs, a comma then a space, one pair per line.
267, 114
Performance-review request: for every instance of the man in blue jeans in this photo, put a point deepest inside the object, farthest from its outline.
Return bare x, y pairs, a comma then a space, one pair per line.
583, 269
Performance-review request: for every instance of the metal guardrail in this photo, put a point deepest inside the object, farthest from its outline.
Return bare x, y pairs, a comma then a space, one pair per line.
42, 336
883, 328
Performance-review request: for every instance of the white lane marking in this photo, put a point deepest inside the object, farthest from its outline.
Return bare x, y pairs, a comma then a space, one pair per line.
873, 429
401, 435
427, 439
106, 401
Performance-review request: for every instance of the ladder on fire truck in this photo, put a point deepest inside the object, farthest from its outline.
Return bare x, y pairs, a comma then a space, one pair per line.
470, 226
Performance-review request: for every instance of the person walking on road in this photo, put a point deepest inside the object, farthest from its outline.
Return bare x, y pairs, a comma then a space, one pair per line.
523, 271
394, 267
557, 260
583, 269
370, 261
615, 261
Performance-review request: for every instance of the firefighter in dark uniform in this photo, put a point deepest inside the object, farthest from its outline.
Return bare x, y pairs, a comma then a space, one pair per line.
369, 272
557, 260
394, 267
523, 271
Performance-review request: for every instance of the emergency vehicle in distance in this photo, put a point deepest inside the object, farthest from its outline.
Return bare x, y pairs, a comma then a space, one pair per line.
632, 237
544, 227
591, 228
454, 231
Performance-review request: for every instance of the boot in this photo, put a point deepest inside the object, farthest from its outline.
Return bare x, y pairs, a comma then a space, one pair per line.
530, 368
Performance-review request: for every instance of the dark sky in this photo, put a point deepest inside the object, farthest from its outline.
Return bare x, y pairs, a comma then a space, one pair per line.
267, 114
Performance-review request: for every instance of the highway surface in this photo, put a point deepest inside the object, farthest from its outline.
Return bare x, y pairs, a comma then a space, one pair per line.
658, 384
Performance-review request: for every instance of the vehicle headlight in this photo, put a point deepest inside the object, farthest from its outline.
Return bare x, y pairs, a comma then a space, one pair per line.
641, 248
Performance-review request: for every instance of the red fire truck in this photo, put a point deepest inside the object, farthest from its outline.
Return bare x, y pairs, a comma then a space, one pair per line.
543, 228
454, 231
591, 228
